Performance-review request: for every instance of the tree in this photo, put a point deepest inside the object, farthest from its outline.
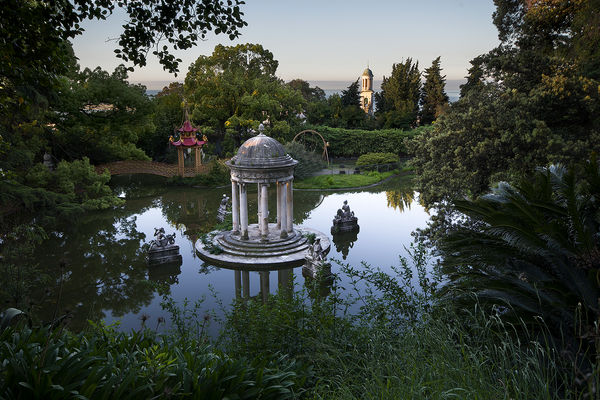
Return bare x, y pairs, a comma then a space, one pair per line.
434, 101
351, 96
37, 62
509, 110
235, 89
31, 31
398, 102
309, 94
101, 116
474, 78
534, 246
167, 117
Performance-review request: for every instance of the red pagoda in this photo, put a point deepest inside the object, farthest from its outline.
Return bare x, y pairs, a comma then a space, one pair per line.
188, 140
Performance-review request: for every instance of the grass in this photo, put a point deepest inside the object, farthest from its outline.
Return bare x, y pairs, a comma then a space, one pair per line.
401, 345
342, 181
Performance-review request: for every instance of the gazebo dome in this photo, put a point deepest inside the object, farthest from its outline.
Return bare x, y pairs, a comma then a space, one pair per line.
262, 151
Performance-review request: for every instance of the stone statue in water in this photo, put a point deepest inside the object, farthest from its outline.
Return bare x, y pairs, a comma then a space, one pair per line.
163, 248
344, 220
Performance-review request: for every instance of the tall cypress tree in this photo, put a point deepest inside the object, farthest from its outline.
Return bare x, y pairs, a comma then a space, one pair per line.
398, 103
433, 98
351, 96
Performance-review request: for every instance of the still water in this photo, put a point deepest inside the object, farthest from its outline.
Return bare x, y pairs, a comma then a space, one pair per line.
98, 268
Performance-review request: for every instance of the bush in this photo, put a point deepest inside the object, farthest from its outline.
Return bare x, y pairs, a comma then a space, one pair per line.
308, 162
101, 364
377, 158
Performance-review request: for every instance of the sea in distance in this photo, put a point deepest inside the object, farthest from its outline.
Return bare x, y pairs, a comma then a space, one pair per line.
329, 87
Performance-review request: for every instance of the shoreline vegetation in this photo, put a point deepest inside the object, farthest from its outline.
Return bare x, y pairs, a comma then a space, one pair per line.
403, 343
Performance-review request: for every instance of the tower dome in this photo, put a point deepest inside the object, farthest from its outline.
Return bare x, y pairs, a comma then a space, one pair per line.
367, 72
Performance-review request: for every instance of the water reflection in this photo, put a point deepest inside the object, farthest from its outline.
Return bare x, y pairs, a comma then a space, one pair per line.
344, 241
165, 274
242, 282
400, 199
106, 275
318, 281
95, 263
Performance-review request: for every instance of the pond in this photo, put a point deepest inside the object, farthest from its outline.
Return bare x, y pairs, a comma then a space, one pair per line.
98, 268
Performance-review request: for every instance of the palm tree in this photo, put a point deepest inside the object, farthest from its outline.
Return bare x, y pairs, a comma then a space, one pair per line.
533, 245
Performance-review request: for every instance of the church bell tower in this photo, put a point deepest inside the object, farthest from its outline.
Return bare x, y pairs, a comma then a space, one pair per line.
366, 93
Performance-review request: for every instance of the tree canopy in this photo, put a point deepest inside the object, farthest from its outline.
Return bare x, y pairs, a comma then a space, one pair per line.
235, 89
531, 101
434, 100
398, 101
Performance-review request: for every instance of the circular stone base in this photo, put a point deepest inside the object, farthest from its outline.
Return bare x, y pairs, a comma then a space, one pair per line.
255, 252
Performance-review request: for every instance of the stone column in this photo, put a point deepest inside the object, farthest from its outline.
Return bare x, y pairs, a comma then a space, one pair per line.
258, 208
283, 202
290, 207
235, 208
278, 205
238, 283
243, 211
246, 284
264, 208
264, 285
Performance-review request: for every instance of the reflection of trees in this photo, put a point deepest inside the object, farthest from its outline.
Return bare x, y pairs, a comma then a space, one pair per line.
165, 274
104, 267
304, 203
400, 199
194, 211
138, 185
344, 241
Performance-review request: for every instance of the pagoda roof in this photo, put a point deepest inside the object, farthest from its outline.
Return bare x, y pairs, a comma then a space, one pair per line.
188, 142
187, 127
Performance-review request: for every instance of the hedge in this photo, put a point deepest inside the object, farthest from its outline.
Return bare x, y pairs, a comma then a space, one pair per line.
355, 142
377, 158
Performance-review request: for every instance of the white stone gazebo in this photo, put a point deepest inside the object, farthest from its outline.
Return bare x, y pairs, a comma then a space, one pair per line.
261, 160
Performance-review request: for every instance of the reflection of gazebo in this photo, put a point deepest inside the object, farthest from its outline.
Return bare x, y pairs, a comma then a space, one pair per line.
188, 140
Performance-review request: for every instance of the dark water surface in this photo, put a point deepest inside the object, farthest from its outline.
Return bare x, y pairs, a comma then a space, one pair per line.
105, 275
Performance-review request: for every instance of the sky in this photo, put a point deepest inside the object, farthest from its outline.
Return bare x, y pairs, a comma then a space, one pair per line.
328, 41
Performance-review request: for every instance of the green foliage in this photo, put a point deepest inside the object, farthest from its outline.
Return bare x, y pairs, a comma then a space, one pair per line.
72, 188
533, 245
355, 142
434, 101
309, 94
100, 364
351, 96
235, 89
398, 101
218, 175
377, 158
400, 344
309, 162
33, 30
490, 135
167, 118
342, 181
101, 117
512, 117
